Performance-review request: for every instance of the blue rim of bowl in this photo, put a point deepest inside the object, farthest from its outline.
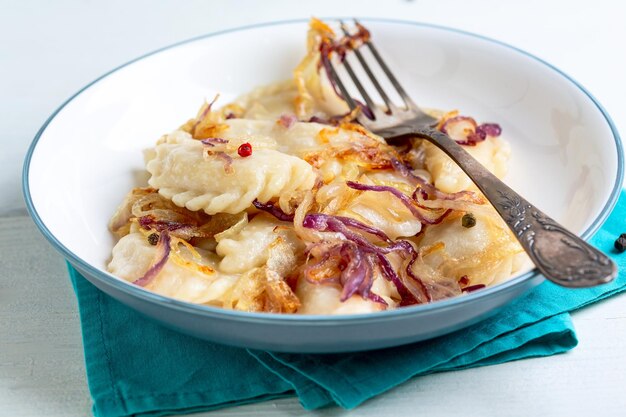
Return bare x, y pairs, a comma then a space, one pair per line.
312, 319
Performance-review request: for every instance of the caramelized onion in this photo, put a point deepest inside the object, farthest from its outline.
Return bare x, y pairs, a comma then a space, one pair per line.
407, 201
428, 190
228, 161
339, 224
465, 131
205, 112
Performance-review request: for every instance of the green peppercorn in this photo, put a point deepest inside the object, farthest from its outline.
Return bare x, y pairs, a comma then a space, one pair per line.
153, 239
620, 243
468, 220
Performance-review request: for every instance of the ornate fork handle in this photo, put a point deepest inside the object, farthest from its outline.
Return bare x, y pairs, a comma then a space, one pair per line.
560, 256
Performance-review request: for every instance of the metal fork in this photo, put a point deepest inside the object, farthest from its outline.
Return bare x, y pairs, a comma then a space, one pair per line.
561, 256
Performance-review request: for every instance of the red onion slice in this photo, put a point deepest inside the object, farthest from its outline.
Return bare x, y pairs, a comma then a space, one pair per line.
213, 141
273, 210
365, 109
162, 253
353, 266
317, 119
228, 161
356, 277
287, 120
408, 202
390, 275
425, 187
321, 221
473, 288
465, 131
490, 129
149, 222
325, 222
205, 112
459, 127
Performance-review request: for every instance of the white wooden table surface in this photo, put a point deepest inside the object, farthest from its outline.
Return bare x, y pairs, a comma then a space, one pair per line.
48, 50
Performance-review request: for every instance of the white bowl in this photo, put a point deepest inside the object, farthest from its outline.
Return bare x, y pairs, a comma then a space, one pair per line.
566, 158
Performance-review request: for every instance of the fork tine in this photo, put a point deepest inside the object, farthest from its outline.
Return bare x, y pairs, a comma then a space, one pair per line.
405, 97
368, 100
342, 87
390, 106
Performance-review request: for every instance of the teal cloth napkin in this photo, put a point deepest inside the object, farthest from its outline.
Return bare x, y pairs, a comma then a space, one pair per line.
135, 367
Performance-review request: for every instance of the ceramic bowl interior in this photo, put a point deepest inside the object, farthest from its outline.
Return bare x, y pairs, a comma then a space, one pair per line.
566, 155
